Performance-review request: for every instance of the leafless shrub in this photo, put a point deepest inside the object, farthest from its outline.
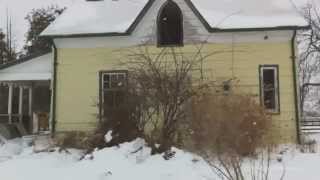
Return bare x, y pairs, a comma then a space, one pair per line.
238, 167
233, 124
308, 144
260, 165
74, 139
122, 121
164, 82
229, 131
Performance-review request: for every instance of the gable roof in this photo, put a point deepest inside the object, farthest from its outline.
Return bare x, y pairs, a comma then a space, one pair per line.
120, 17
245, 15
108, 17
33, 68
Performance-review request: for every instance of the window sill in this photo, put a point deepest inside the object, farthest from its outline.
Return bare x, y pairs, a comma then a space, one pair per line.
273, 112
169, 45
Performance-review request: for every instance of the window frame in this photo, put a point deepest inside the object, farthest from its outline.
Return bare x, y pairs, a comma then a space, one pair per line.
275, 68
101, 87
181, 43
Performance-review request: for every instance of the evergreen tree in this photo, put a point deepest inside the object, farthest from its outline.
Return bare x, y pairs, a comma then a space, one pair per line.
38, 20
2, 46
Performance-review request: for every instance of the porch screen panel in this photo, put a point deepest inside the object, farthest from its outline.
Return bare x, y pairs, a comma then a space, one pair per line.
4, 99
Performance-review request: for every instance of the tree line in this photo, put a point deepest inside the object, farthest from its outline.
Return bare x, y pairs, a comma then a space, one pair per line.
38, 20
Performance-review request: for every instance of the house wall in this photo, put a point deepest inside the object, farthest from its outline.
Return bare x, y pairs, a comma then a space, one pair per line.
78, 80
81, 59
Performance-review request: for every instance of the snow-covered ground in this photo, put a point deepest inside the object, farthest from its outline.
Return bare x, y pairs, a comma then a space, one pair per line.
19, 162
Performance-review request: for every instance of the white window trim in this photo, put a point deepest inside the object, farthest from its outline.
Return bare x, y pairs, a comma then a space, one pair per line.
111, 73
102, 89
275, 68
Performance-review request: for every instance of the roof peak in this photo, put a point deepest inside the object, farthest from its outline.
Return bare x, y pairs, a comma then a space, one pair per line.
120, 17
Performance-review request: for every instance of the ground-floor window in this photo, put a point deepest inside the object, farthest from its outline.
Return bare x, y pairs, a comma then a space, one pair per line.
269, 87
113, 85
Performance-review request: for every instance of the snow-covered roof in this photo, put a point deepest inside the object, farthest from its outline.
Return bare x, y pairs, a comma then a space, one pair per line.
237, 14
118, 16
36, 69
108, 16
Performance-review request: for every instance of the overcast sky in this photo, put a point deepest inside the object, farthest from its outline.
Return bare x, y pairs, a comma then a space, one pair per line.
18, 9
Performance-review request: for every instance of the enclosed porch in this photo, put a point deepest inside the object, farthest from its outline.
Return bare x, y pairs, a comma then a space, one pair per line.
25, 95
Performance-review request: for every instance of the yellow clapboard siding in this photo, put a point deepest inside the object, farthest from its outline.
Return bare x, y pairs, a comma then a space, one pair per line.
78, 79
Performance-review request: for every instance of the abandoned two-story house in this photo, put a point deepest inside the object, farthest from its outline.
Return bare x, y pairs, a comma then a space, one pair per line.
258, 37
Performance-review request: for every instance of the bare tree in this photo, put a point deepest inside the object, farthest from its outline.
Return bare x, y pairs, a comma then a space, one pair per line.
38, 20
166, 79
309, 43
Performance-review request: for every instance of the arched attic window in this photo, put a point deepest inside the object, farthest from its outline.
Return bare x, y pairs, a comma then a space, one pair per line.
170, 25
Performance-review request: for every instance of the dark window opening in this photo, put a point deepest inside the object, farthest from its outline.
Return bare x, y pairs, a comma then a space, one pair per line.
3, 100
269, 88
170, 25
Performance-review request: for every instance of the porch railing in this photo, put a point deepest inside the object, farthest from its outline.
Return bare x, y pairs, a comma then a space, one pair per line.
310, 124
5, 118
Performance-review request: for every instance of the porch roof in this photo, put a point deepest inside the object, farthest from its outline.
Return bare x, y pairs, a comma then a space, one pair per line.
37, 68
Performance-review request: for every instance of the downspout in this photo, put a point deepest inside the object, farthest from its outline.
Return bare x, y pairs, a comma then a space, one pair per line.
54, 85
295, 84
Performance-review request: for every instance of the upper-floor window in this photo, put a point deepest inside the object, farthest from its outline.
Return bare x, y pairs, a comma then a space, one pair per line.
170, 25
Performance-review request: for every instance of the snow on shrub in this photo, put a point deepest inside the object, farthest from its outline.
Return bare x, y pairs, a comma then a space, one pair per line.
2, 140
10, 148
108, 136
